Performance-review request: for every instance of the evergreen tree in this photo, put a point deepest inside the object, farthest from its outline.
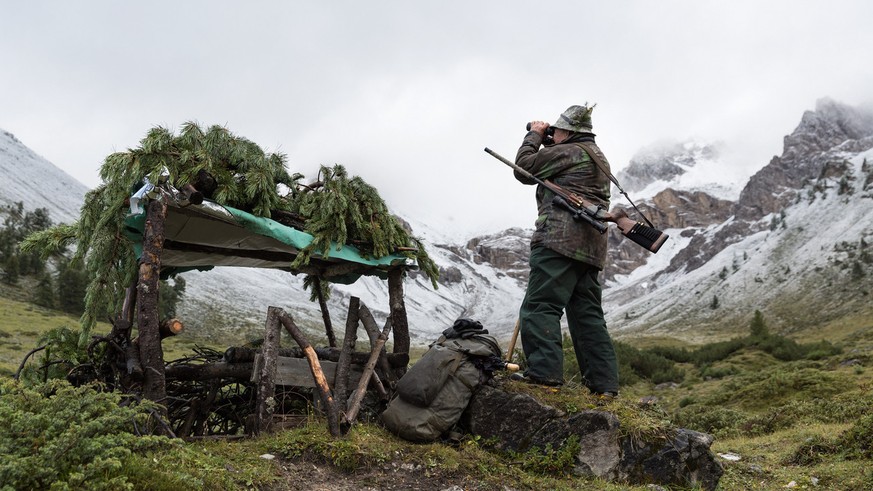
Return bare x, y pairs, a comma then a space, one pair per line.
44, 294
17, 225
11, 270
857, 271
72, 286
170, 296
714, 304
758, 327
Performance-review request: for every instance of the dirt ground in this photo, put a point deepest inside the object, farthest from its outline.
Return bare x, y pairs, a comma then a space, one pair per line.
302, 475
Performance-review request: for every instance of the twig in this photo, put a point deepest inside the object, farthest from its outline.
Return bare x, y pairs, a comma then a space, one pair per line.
24, 361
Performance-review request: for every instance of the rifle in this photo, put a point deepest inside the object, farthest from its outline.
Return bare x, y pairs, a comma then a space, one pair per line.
648, 238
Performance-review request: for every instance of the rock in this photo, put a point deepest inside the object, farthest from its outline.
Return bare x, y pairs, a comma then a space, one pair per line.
683, 459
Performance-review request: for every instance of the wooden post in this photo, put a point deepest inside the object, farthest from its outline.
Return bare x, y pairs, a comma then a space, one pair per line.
373, 331
325, 313
398, 312
355, 403
341, 382
265, 404
150, 352
317, 374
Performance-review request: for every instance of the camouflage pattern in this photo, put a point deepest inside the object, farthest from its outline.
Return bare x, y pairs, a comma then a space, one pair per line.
568, 165
576, 119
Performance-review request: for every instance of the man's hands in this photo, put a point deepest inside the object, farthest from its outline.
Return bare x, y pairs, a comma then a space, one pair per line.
539, 127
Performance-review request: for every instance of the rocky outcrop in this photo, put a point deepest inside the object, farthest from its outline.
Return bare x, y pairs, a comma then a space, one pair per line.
690, 211
507, 251
805, 153
683, 458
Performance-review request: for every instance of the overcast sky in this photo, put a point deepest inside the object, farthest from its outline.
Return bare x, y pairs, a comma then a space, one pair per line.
407, 95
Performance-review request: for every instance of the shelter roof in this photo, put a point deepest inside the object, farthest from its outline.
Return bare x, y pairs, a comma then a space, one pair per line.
209, 234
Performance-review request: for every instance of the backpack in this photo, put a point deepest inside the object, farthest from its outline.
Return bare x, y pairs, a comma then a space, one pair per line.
433, 394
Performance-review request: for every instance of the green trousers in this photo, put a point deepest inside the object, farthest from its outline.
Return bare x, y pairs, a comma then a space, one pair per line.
558, 283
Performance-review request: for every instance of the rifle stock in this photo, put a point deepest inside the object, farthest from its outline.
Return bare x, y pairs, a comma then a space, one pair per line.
648, 238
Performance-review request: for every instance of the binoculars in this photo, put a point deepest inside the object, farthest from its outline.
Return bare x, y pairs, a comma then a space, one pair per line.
549, 136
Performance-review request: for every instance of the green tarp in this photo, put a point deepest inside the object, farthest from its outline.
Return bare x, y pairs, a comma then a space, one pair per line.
206, 235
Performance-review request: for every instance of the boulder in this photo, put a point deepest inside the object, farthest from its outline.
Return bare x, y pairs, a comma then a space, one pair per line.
683, 458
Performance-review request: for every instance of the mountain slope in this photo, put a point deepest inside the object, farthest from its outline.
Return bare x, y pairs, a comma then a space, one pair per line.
37, 183
796, 244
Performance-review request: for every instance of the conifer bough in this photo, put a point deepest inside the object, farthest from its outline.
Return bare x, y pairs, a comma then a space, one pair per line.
239, 174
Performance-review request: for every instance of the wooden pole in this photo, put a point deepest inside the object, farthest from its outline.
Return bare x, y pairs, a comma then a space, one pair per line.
150, 352
355, 402
513, 341
265, 404
325, 313
341, 381
372, 329
398, 312
317, 374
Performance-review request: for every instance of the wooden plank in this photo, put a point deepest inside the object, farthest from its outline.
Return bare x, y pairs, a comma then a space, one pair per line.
296, 372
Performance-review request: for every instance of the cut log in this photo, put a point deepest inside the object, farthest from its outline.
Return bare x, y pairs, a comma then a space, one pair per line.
242, 354
171, 327
210, 371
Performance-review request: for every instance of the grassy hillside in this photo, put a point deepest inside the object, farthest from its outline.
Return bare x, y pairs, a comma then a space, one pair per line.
782, 412
22, 324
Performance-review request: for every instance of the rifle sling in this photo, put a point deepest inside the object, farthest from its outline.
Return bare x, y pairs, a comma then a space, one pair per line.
600, 165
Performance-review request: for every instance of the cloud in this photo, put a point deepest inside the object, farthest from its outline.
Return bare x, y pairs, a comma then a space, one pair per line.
407, 95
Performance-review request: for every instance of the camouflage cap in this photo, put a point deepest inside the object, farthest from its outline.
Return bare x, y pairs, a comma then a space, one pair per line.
576, 119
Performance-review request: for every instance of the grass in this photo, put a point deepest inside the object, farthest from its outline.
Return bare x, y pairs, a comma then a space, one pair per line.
22, 324
800, 421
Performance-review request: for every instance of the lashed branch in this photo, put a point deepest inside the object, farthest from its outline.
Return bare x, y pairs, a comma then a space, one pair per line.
317, 374
355, 403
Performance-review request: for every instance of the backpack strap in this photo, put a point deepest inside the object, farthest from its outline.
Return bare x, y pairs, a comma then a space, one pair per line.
595, 156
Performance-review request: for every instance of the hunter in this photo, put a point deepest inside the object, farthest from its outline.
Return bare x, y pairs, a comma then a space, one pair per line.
566, 257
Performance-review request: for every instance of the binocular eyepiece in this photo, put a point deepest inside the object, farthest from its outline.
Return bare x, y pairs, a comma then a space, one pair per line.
549, 136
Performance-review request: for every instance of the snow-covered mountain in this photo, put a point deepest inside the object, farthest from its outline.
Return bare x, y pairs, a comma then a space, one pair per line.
793, 241
37, 183
795, 245
689, 165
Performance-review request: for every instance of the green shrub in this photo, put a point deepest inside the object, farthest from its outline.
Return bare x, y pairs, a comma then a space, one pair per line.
56, 436
812, 451
858, 440
718, 421
552, 461
710, 372
645, 364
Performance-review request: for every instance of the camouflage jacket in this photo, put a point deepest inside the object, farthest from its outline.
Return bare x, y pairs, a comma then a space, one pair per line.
568, 165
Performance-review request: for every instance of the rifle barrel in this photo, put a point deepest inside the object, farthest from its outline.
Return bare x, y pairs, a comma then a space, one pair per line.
512, 164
